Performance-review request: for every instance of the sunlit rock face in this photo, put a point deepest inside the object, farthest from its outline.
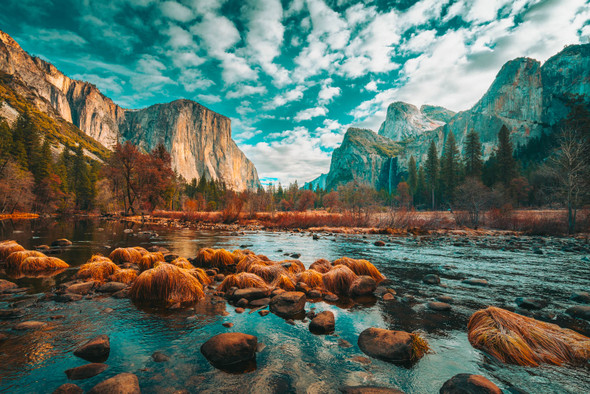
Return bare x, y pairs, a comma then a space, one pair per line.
364, 157
405, 121
198, 139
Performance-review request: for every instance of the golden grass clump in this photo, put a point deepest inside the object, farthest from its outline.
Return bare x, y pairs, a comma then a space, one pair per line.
15, 259
268, 272
201, 276
242, 280
222, 259
98, 270
361, 267
98, 257
141, 250
182, 263
312, 278
245, 263
9, 247
419, 347
521, 340
148, 260
322, 266
204, 257
125, 255
339, 279
166, 284
285, 282
41, 264
293, 266
126, 276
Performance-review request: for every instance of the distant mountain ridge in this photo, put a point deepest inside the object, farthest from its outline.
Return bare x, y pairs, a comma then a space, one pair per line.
527, 97
198, 139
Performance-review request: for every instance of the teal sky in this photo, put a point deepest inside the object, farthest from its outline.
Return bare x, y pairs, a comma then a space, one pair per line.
293, 74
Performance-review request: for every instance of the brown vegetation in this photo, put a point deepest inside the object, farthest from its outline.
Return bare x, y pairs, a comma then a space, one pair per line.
99, 269
201, 276
166, 284
41, 264
285, 282
419, 347
148, 260
9, 247
266, 270
312, 278
204, 257
125, 255
360, 267
124, 276
520, 340
242, 280
293, 266
322, 266
15, 259
339, 279
181, 262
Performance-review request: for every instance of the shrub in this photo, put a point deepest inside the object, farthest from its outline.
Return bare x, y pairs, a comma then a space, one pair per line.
284, 281
268, 272
201, 276
222, 259
181, 262
322, 266
204, 257
521, 340
166, 284
293, 266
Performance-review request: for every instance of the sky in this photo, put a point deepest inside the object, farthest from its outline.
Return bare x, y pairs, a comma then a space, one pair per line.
293, 75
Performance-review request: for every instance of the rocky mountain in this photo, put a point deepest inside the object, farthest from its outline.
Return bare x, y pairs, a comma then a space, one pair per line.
198, 139
317, 183
365, 157
527, 97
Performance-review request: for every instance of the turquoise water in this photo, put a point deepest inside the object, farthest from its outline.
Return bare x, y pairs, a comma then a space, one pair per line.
293, 359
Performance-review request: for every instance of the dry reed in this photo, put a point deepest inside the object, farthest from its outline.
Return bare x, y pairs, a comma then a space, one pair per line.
9, 247
285, 282
322, 266
201, 276
312, 278
181, 262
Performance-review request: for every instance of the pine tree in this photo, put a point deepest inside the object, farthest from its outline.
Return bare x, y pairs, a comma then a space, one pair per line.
450, 170
505, 168
421, 189
5, 142
412, 176
43, 163
82, 181
27, 135
472, 155
431, 171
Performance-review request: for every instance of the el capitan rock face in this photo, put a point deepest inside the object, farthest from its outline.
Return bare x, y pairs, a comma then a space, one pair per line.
405, 121
198, 139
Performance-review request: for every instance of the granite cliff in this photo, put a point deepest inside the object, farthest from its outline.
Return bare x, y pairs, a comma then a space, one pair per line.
198, 139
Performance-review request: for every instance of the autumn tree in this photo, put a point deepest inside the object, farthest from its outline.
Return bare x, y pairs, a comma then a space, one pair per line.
305, 200
474, 198
331, 201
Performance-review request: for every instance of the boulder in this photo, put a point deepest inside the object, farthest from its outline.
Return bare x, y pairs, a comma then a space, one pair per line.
331, 297
240, 310
465, 383
388, 345
112, 287
363, 285
579, 296
229, 349
322, 323
121, 294
227, 324
6, 285
67, 297
368, 390
530, 303
438, 306
85, 371
446, 299
260, 302
61, 242
475, 282
264, 312
289, 303
123, 383
81, 288
68, 388
314, 294
95, 350
388, 297
579, 311
379, 243
160, 357
431, 279
29, 325
250, 293
242, 303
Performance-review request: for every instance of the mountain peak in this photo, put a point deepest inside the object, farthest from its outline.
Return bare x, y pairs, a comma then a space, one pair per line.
8, 40
404, 120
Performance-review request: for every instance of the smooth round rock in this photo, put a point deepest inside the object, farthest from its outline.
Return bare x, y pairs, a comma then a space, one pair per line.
475, 282
530, 303
111, 287
465, 383
29, 325
438, 306
251, 293
85, 371
95, 350
323, 323
579, 311
581, 296
431, 279
379, 243
81, 288
363, 285
387, 345
68, 388
160, 357
369, 390
6, 285
123, 383
388, 297
227, 349
288, 304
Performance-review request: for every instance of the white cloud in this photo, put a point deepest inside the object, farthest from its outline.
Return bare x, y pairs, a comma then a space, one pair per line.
192, 79
176, 11
310, 113
294, 94
209, 98
59, 37
185, 59
109, 85
179, 37
328, 92
246, 90
371, 86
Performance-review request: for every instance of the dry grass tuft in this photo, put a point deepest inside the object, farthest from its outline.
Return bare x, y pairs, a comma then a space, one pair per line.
339, 279
293, 266
204, 257
15, 259
268, 272
242, 280
222, 259
181, 262
201, 276
166, 284
98, 257
361, 267
521, 340
322, 266
9, 247
124, 276
285, 282
419, 347
148, 260
142, 251
312, 278
125, 255
41, 264
99, 270
249, 260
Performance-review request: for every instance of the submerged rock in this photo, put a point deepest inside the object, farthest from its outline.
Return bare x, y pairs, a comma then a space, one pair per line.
438, 306
250, 293
81, 288
379, 243
431, 279
67, 297
6, 285
397, 347
465, 383
530, 303
123, 383
322, 323
288, 304
368, 390
85, 371
68, 388
160, 357
10, 313
61, 242
579, 311
29, 325
225, 350
112, 287
363, 285
95, 350
475, 282
581, 296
